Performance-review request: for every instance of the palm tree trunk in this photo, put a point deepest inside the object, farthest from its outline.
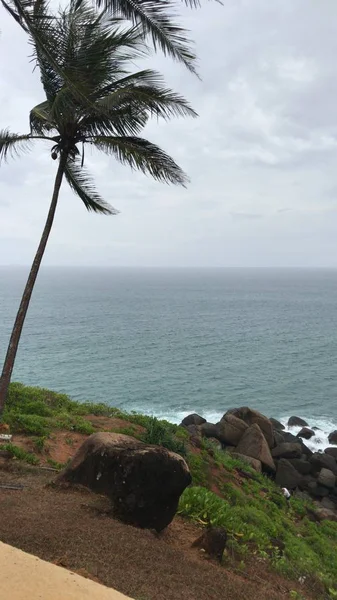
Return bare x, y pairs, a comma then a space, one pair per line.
23, 308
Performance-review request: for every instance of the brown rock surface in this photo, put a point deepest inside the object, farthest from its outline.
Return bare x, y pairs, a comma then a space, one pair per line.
143, 482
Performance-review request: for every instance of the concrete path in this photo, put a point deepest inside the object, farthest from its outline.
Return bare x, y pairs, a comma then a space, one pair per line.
26, 577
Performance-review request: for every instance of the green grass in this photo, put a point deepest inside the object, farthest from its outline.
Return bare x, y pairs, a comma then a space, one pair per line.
253, 521
20, 454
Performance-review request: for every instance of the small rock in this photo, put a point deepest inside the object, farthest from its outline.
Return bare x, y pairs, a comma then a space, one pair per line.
297, 422
276, 424
193, 419
252, 462
213, 541
327, 478
326, 514
333, 437
316, 428
287, 450
331, 452
215, 443
306, 433
286, 475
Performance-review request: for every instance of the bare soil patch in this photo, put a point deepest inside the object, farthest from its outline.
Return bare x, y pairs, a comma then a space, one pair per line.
73, 528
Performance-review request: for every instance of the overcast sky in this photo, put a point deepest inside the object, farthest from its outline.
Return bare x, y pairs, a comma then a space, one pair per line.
262, 157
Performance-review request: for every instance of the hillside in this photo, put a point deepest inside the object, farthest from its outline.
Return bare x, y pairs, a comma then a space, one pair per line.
274, 549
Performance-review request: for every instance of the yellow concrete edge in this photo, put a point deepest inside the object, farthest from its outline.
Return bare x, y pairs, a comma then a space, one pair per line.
26, 577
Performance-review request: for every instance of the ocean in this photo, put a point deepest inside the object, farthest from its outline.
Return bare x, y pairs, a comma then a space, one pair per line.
171, 342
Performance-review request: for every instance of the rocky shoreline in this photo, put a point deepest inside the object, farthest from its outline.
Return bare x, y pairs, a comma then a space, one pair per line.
264, 444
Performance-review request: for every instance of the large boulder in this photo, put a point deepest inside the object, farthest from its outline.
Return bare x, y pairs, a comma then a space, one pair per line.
193, 419
143, 482
231, 429
254, 444
287, 450
333, 437
326, 478
276, 424
297, 422
320, 461
302, 466
286, 475
252, 417
306, 433
331, 452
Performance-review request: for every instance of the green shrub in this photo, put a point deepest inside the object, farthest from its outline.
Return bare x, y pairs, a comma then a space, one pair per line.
160, 433
29, 424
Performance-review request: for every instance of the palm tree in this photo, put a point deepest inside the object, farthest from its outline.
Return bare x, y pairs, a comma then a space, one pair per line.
96, 51
157, 19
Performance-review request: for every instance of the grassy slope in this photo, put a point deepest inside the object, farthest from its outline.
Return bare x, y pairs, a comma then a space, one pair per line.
225, 491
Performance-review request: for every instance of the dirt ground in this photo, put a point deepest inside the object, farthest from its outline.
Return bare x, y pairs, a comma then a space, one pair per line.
73, 529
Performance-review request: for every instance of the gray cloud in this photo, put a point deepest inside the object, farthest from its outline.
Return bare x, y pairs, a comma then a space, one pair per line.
261, 157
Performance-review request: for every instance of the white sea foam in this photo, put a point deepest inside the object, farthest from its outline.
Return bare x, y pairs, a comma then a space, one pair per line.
320, 440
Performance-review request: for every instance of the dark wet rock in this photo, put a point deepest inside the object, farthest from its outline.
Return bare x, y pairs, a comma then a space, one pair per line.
333, 437
254, 444
306, 433
331, 452
209, 430
278, 437
320, 460
276, 424
143, 482
297, 422
286, 475
316, 490
327, 503
287, 450
253, 417
193, 419
302, 466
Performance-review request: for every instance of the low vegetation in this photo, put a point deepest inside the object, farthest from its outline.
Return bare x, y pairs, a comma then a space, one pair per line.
225, 491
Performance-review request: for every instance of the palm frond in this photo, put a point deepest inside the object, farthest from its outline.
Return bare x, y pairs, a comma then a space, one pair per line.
11, 144
144, 156
81, 183
156, 101
156, 18
40, 119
